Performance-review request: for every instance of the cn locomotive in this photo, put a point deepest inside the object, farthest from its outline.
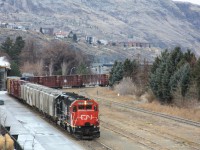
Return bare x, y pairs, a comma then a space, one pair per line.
74, 113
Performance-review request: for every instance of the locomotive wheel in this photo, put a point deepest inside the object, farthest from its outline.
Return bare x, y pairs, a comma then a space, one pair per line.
69, 129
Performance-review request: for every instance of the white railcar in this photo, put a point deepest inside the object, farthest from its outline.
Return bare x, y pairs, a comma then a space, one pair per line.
40, 97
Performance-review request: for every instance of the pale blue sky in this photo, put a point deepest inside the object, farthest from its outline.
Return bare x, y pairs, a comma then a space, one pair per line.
191, 1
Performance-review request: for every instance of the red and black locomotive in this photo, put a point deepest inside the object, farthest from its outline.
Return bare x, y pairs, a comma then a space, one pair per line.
77, 114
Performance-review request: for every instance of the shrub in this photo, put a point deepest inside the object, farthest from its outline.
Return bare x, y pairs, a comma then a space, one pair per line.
127, 87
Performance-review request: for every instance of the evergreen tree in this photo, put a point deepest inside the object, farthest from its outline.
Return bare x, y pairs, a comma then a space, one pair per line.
175, 57
7, 46
75, 38
116, 73
13, 49
185, 79
14, 69
128, 68
82, 69
17, 48
166, 93
197, 77
169, 71
155, 64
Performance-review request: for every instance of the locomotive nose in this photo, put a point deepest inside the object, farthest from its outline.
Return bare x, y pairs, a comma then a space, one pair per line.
87, 124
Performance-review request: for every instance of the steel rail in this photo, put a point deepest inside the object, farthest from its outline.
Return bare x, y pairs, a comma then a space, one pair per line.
178, 119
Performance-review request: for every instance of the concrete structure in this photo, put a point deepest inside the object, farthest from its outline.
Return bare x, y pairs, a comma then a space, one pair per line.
101, 68
4, 66
34, 133
130, 44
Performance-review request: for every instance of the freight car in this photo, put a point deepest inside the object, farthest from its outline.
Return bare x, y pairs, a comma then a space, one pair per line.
74, 113
70, 80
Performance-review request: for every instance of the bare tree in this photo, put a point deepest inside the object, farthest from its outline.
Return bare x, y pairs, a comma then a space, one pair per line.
33, 68
51, 67
38, 71
64, 67
30, 51
59, 52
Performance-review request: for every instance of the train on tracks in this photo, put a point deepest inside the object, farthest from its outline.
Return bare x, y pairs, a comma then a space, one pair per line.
70, 80
75, 113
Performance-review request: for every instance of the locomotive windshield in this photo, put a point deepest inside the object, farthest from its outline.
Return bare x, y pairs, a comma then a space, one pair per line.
81, 107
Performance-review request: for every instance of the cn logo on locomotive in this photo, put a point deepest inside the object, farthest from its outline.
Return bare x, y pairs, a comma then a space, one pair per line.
86, 117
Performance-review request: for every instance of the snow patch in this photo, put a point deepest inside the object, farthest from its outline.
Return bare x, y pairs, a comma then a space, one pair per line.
4, 62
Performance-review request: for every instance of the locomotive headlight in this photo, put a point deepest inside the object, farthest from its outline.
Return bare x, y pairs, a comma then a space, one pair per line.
85, 102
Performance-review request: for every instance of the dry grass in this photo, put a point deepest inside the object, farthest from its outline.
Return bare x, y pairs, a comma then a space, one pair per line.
148, 97
108, 94
188, 113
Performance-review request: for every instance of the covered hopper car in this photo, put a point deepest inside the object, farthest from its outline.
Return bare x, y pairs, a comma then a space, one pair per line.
74, 113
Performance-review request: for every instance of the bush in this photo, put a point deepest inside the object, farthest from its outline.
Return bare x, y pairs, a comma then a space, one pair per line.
127, 87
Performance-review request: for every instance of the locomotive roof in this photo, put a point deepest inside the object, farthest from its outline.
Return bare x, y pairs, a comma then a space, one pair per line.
73, 96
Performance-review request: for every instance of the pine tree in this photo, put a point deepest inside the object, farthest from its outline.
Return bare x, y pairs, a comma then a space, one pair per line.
185, 79
17, 48
197, 77
116, 73
128, 68
75, 38
13, 49
7, 46
167, 73
14, 69
82, 69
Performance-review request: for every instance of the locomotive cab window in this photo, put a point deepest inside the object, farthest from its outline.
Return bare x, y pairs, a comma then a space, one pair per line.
81, 107
74, 109
96, 108
88, 106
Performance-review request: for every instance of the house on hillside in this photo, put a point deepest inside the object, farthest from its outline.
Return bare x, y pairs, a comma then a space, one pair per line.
60, 35
3, 25
4, 67
90, 40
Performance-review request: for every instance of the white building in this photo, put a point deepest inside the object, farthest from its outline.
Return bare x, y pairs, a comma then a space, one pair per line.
4, 66
90, 40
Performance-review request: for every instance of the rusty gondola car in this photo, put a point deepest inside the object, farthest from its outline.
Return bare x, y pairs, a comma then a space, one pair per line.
70, 80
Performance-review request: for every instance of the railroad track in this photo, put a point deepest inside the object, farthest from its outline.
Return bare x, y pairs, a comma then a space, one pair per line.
165, 135
104, 145
128, 107
111, 103
132, 136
